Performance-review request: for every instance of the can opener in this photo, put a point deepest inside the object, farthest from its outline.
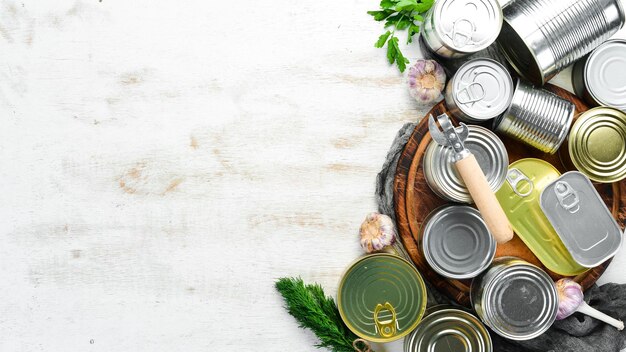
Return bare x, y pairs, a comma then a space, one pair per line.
472, 175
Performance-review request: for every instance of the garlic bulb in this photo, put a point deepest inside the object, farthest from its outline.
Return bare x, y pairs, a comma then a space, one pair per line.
377, 232
571, 299
426, 81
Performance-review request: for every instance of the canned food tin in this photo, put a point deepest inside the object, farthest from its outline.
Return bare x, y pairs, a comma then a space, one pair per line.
456, 243
457, 28
600, 78
442, 176
542, 37
446, 329
536, 117
581, 219
597, 144
480, 90
517, 300
519, 197
381, 297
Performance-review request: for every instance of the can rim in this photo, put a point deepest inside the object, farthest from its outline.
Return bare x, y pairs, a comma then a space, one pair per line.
589, 58
357, 332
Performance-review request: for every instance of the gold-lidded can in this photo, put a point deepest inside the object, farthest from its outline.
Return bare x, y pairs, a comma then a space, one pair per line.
381, 297
597, 144
449, 329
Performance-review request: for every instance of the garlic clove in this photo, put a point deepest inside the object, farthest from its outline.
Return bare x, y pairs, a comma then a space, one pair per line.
571, 299
377, 232
426, 80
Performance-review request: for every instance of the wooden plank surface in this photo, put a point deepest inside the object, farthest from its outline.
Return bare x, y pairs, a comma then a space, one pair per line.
164, 162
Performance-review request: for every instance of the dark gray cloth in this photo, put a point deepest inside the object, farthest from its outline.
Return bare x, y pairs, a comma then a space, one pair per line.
578, 333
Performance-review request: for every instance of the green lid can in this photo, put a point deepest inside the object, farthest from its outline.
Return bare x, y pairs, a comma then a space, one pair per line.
597, 144
381, 297
447, 329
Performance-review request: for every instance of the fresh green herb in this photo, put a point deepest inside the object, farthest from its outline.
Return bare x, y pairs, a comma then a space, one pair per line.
401, 15
313, 310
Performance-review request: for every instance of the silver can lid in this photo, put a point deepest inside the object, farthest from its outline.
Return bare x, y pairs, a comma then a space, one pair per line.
467, 26
520, 301
446, 329
456, 242
605, 74
482, 89
442, 176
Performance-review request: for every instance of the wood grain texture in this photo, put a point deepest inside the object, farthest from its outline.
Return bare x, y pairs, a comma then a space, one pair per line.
163, 162
414, 200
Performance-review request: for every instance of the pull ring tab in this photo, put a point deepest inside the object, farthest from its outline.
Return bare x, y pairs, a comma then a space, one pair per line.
467, 96
462, 32
516, 179
567, 197
386, 328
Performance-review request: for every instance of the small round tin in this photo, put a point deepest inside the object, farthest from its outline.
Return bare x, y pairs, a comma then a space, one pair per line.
442, 176
600, 77
517, 300
456, 242
597, 144
381, 297
457, 28
536, 117
480, 90
446, 329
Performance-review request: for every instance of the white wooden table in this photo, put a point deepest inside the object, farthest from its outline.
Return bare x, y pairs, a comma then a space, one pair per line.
164, 162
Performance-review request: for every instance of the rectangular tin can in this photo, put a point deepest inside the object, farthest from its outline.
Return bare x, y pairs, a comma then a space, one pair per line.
516, 299
581, 219
536, 117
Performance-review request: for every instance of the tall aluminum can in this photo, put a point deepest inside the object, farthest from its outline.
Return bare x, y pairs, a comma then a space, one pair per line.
457, 28
542, 37
536, 117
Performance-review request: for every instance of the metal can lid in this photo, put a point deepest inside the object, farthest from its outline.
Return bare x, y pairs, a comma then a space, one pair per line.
456, 242
482, 89
597, 144
520, 301
446, 329
444, 179
605, 74
467, 26
381, 297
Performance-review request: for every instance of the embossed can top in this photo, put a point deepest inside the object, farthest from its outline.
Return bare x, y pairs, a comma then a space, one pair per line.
468, 25
482, 89
605, 74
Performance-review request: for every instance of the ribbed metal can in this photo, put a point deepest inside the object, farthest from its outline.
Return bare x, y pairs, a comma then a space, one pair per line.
443, 178
480, 90
448, 329
456, 242
517, 300
542, 37
597, 144
457, 28
600, 77
536, 117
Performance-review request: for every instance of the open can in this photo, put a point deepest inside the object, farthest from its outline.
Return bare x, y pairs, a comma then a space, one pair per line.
381, 297
480, 90
442, 176
456, 242
516, 299
600, 77
448, 329
457, 28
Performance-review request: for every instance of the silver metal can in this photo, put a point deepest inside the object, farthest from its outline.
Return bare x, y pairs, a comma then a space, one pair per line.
456, 242
457, 28
442, 176
517, 300
542, 37
600, 77
447, 329
536, 117
480, 90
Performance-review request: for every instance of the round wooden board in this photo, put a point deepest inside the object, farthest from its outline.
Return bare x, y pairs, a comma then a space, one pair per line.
414, 200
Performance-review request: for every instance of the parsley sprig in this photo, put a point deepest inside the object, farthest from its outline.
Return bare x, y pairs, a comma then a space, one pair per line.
401, 15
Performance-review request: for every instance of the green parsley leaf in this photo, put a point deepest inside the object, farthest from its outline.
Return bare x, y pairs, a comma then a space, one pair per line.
406, 5
380, 15
382, 39
401, 61
392, 50
387, 4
